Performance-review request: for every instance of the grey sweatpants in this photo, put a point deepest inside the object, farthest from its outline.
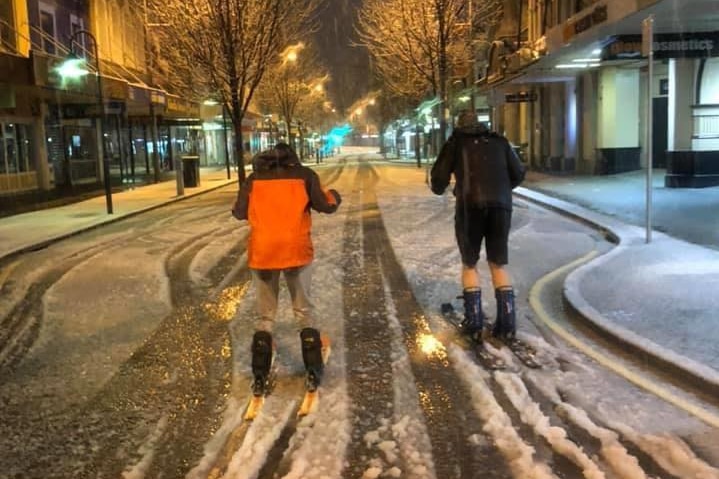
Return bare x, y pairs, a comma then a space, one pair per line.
267, 288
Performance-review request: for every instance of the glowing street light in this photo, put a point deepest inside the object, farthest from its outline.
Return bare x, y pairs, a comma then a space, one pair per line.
291, 53
74, 67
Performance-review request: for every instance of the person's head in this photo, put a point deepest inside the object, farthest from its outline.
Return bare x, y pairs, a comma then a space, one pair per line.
467, 119
283, 147
280, 155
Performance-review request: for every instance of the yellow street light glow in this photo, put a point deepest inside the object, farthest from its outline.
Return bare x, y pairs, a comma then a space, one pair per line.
292, 56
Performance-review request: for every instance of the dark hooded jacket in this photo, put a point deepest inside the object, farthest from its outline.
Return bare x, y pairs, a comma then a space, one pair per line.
276, 199
485, 167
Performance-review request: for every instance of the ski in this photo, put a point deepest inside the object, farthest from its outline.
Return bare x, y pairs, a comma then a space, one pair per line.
311, 398
254, 407
486, 359
523, 351
260, 390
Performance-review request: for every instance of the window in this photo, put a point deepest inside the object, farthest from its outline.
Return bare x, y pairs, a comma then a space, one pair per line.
77, 24
15, 149
47, 25
7, 37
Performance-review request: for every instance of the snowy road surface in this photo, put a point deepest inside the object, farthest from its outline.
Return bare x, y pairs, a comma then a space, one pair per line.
124, 353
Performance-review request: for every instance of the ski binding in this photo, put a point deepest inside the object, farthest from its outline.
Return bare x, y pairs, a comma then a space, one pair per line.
487, 359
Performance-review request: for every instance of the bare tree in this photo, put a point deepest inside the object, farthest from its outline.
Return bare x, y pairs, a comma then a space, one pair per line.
293, 86
222, 48
414, 44
419, 46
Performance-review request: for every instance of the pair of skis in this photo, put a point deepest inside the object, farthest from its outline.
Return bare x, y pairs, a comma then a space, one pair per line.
310, 398
524, 352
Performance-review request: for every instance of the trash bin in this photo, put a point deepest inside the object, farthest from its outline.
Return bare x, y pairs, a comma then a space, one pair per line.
191, 171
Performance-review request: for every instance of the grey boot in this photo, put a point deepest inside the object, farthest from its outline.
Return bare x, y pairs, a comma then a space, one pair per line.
506, 325
473, 316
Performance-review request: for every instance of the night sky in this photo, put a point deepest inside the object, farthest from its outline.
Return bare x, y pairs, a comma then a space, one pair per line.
348, 65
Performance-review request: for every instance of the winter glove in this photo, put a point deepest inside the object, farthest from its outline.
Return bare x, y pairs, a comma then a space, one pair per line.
338, 198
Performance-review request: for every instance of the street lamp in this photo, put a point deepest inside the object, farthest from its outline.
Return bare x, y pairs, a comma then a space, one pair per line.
74, 67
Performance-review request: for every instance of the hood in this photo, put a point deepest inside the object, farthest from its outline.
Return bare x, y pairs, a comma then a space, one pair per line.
281, 155
474, 130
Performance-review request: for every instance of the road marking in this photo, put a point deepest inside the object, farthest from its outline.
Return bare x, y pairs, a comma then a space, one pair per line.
607, 362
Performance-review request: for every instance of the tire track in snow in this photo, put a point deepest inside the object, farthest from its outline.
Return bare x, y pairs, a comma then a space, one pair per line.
454, 452
367, 335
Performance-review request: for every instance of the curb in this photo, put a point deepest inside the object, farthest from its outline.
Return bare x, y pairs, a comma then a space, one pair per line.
680, 367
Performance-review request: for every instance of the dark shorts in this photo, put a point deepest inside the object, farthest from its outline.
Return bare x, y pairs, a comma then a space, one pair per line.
472, 225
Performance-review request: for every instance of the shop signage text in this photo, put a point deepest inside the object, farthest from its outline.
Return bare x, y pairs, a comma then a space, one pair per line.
521, 97
597, 16
665, 45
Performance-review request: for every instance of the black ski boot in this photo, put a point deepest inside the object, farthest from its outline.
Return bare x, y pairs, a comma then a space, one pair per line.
312, 357
262, 356
473, 321
505, 326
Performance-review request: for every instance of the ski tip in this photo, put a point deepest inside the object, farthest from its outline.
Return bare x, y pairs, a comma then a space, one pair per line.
253, 408
309, 404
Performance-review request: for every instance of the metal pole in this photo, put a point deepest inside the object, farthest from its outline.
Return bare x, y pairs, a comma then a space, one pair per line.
101, 104
177, 161
648, 39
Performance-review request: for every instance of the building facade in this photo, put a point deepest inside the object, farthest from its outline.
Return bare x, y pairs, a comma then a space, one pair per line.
56, 131
572, 88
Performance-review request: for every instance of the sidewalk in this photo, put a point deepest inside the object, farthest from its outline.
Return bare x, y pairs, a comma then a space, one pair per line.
663, 304
35, 229
658, 299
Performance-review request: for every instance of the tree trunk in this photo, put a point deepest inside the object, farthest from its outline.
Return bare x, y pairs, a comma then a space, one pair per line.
237, 117
443, 73
418, 145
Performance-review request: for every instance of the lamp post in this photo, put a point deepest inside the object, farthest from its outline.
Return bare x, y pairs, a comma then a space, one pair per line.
73, 67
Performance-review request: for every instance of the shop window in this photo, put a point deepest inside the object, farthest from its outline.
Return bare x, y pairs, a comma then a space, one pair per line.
15, 149
80, 143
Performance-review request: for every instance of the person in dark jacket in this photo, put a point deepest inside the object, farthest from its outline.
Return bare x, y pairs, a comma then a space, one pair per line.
485, 169
276, 200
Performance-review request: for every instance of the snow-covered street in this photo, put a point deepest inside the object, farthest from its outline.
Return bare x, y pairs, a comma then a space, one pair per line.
125, 353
